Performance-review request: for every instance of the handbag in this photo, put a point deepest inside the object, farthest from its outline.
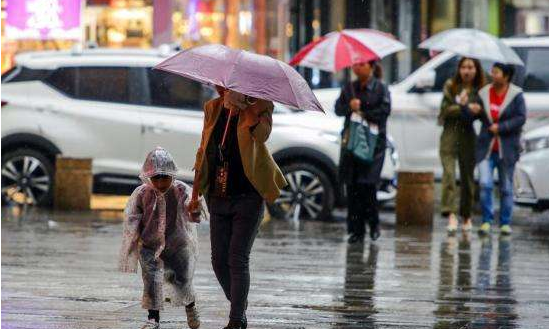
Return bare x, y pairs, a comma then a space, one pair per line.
362, 138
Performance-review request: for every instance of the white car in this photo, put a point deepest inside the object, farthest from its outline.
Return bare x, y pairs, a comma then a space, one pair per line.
531, 181
416, 101
109, 105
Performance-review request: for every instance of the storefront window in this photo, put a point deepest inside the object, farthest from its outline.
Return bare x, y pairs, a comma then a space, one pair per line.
444, 15
198, 22
247, 24
120, 23
530, 17
43, 26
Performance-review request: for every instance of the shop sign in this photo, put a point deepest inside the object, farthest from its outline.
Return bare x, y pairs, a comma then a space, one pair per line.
43, 19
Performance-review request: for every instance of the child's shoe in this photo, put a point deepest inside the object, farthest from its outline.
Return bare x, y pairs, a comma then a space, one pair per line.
193, 317
484, 228
467, 225
151, 324
506, 229
452, 224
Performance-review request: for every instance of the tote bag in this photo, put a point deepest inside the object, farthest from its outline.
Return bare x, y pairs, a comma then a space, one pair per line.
362, 138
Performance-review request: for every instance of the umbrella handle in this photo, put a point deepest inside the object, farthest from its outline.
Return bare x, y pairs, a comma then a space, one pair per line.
353, 94
226, 128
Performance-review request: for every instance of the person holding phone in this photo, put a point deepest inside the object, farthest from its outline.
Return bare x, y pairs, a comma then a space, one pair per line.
457, 143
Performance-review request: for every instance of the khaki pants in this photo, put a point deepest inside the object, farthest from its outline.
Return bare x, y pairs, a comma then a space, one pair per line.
457, 144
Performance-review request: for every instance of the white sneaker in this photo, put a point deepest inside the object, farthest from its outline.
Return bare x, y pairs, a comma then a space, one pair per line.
151, 324
452, 224
193, 317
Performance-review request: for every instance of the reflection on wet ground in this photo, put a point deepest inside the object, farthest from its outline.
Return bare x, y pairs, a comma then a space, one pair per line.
59, 271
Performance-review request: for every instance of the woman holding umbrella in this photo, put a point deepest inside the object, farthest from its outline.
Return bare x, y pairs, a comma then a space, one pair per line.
368, 97
238, 175
233, 167
457, 142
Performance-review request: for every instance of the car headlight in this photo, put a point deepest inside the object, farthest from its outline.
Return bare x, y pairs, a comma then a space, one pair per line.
330, 136
523, 186
536, 144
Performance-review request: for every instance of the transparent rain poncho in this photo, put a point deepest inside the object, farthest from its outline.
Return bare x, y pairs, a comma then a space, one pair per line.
160, 222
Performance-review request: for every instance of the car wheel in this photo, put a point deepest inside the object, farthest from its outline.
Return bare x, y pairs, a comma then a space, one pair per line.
27, 178
308, 195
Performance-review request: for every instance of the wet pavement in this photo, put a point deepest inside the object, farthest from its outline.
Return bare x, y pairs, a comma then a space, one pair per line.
59, 271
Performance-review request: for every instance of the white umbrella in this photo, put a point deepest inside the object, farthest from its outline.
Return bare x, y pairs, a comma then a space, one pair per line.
474, 44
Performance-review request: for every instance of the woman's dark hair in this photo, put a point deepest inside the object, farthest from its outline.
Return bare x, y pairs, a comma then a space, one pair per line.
377, 69
508, 70
478, 82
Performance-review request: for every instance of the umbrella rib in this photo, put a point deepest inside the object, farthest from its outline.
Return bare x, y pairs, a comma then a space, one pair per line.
233, 69
289, 79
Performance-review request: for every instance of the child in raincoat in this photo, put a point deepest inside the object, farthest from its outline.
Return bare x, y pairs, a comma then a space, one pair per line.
160, 232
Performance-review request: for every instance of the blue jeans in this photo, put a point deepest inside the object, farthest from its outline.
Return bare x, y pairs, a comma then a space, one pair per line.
505, 175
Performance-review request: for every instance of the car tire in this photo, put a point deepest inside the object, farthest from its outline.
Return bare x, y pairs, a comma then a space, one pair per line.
27, 177
309, 194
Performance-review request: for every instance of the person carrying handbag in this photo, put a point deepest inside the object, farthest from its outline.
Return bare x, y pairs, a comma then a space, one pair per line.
366, 104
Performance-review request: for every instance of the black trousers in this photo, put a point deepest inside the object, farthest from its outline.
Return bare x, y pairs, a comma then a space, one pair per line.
362, 207
234, 223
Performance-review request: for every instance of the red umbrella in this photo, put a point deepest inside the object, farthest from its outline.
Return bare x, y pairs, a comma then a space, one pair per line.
338, 50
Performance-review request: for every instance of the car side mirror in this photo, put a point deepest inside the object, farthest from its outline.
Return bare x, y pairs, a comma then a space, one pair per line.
425, 81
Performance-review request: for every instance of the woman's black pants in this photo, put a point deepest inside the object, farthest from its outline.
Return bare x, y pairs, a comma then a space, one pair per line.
234, 223
362, 207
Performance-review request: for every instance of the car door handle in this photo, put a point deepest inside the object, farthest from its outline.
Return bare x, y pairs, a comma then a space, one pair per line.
47, 109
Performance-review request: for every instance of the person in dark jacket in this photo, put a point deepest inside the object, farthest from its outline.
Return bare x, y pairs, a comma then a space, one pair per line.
368, 97
457, 143
502, 111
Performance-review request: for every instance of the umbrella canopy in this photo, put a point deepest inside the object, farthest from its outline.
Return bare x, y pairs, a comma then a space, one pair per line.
338, 50
472, 43
250, 74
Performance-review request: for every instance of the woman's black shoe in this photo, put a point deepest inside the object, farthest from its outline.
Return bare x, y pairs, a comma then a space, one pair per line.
374, 233
354, 238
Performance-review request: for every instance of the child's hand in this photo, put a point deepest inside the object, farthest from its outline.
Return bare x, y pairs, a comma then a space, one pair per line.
195, 218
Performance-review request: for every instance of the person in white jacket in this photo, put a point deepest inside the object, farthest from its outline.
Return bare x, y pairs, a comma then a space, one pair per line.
160, 232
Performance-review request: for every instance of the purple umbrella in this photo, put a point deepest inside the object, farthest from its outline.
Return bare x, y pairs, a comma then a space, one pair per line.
250, 74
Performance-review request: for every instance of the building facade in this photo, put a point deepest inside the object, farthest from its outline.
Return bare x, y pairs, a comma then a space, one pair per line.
278, 28
255, 25
411, 21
